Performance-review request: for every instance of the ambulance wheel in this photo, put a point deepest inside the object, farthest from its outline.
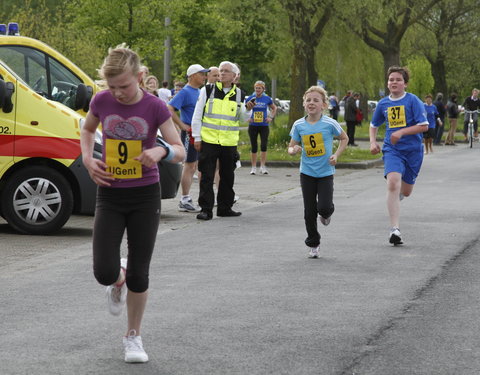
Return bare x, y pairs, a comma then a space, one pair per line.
37, 200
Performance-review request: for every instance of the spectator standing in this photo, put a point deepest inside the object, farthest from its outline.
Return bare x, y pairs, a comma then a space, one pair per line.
215, 127
213, 75
185, 102
452, 112
130, 202
259, 125
472, 103
313, 137
333, 107
151, 85
164, 93
351, 117
441, 108
404, 116
433, 119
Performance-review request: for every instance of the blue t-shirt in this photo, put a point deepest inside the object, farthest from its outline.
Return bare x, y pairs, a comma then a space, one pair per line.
432, 114
399, 113
185, 102
260, 110
317, 145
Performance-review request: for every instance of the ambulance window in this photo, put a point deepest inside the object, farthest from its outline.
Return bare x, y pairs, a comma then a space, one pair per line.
45, 75
29, 64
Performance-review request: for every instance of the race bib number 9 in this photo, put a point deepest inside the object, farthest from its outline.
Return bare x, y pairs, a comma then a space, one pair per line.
396, 117
313, 145
258, 116
119, 158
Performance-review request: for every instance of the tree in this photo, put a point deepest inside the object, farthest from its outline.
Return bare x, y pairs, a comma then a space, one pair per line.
307, 20
383, 27
449, 36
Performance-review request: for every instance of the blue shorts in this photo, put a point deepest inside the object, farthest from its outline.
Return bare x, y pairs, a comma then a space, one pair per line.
192, 154
408, 164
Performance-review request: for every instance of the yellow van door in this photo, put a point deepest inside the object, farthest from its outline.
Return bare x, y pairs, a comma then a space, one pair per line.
7, 130
45, 129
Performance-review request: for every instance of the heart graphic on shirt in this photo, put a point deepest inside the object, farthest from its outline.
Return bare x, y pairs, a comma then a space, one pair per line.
117, 127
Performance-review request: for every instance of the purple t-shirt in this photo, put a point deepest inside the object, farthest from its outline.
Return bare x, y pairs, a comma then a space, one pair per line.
139, 121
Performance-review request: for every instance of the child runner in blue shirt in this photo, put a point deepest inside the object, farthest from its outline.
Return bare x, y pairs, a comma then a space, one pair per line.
315, 133
405, 119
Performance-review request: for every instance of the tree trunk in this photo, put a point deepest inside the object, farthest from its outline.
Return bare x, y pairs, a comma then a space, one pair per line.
391, 57
439, 76
312, 75
298, 84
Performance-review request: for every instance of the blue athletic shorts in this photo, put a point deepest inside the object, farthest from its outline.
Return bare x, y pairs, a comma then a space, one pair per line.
192, 154
407, 164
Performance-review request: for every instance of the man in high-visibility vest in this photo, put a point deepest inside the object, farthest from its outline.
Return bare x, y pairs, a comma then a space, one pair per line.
215, 128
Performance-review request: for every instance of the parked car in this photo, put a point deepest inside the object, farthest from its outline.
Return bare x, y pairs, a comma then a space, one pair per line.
283, 105
43, 100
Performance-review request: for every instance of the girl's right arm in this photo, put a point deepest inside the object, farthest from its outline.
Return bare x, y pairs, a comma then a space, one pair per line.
294, 147
95, 167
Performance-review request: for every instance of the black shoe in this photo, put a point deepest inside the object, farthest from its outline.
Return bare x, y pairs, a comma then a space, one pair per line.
204, 216
228, 213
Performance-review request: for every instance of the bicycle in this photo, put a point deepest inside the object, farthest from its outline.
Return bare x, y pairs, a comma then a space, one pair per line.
471, 120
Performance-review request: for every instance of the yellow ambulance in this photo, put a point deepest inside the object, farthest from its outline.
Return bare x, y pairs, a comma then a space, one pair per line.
43, 101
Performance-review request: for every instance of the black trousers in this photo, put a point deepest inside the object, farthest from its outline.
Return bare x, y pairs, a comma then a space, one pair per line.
207, 162
317, 200
351, 131
136, 210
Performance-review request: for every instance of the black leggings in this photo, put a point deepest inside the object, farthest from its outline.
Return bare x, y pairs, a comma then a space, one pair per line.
317, 200
137, 210
253, 132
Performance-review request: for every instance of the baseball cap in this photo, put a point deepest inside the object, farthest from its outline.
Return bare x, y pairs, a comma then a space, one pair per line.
196, 68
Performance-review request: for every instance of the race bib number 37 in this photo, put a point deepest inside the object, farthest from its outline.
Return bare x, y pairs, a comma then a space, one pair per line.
396, 117
313, 145
119, 158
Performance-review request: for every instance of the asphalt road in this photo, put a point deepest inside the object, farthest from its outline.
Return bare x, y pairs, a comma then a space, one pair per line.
239, 295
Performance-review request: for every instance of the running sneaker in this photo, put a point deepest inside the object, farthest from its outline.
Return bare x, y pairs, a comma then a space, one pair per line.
254, 170
188, 206
313, 253
325, 221
117, 294
134, 352
235, 199
401, 197
395, 237
263, 170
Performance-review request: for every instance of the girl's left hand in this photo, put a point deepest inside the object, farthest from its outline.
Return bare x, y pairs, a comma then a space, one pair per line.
333, 159
151, 156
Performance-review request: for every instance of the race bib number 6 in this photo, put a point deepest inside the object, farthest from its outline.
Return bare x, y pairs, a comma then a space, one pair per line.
313, 145
119, 158
396, 117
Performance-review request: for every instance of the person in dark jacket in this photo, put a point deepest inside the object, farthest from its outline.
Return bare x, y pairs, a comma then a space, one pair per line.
351, 117
441, 113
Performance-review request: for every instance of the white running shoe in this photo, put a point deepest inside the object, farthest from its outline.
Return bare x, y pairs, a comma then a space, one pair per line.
188, 206
117, 295
134, 352
325, 221
263, 170
254, 170
395, 237
235, 199
314, 252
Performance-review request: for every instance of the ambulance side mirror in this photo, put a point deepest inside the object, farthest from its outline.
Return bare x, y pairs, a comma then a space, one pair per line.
6, 91
83, 97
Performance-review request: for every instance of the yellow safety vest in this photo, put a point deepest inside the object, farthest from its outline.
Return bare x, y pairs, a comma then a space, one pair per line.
220, 122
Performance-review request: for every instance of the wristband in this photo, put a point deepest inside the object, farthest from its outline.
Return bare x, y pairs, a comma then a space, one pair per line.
168, 147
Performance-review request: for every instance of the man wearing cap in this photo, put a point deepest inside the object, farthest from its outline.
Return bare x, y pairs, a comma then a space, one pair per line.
216, 127
185, 101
